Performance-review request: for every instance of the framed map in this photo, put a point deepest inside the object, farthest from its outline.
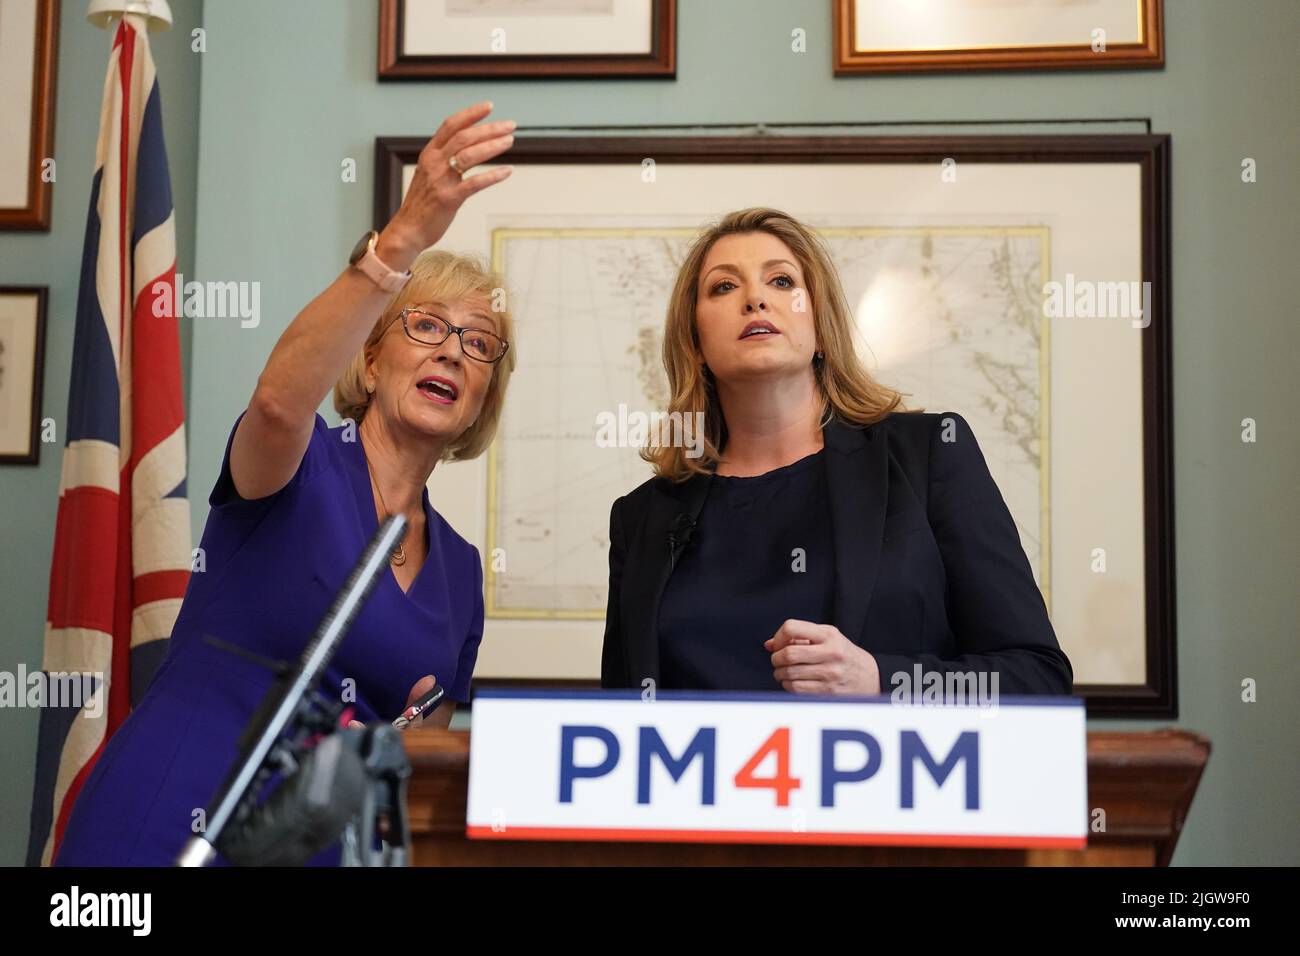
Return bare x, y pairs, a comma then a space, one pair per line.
964, 259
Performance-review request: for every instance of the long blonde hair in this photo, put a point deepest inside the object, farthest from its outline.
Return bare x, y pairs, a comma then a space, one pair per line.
445, 277
847, 389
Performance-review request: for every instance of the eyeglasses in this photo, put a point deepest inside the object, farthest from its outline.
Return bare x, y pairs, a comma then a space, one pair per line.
478, 344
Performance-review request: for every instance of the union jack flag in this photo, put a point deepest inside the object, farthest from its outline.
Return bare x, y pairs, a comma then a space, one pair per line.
122, 538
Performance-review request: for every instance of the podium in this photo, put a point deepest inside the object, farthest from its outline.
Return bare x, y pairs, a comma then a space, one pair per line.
1144, 783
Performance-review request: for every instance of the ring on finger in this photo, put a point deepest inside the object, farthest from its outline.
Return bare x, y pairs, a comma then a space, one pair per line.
454, 163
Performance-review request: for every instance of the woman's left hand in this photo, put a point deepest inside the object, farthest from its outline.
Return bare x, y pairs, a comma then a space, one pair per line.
418, 690
812, 658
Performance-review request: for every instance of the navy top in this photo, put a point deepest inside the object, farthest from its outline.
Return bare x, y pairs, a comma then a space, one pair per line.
267, 571
761, 553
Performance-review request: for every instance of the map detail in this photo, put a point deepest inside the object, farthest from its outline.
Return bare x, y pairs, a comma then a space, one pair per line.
951, 316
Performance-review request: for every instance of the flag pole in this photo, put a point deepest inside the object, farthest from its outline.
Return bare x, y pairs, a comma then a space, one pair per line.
103, 13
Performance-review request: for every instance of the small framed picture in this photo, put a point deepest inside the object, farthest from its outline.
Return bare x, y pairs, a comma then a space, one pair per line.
424, 39
29, 41
904, 36
22, 363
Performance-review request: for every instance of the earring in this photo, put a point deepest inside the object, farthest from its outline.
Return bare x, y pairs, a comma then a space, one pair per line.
370, 388
819, 355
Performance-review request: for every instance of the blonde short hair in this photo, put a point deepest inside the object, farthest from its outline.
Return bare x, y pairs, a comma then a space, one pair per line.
444, 277
847, 390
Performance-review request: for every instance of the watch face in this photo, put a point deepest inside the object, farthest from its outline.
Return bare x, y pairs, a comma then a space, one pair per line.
360, 248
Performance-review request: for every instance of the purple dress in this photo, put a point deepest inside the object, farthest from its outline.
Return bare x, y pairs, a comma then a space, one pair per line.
270, 568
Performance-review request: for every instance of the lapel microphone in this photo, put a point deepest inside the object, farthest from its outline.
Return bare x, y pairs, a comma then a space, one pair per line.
679, 536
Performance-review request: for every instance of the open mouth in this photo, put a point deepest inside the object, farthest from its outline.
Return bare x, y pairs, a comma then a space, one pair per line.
758, 328
438, 390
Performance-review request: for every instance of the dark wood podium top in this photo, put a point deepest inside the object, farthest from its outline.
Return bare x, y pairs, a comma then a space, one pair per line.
1140, 787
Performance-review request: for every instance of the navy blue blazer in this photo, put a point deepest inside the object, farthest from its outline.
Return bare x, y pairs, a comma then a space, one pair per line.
928, 563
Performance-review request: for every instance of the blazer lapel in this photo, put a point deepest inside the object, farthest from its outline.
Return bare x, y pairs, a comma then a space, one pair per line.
857, 473
653, 568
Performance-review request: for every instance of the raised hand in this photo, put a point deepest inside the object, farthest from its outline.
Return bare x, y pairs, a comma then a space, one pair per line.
437, 189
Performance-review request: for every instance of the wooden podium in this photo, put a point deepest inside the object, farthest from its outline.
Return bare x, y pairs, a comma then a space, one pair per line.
1143, 781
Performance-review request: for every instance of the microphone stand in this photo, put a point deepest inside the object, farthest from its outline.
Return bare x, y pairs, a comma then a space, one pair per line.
294, 715
387, 769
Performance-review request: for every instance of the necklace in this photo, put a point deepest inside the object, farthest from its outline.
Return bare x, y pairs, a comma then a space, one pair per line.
399, 553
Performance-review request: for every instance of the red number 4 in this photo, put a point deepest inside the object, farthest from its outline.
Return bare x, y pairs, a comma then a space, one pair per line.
781, 782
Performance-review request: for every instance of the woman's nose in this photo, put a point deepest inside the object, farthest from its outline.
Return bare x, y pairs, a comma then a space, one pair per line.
753, 304
449, 351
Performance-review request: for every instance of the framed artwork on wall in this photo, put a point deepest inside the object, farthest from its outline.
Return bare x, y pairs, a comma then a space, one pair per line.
550, 39
908, 36
29, 43
1021, 281
22, 365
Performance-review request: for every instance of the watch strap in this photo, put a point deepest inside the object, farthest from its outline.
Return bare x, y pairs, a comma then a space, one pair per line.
378, 271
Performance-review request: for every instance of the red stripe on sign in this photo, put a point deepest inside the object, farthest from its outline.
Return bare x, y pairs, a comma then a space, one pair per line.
776, 836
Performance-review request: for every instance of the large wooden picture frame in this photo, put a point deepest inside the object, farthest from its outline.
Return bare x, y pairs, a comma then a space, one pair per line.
29, 46
902, 36
1070, 208
480, 39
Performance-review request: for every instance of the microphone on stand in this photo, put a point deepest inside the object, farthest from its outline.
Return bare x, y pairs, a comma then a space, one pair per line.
679, 536
278, 737
307, 812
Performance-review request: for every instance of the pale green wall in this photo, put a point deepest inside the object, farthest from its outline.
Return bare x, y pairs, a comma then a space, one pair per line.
289, 91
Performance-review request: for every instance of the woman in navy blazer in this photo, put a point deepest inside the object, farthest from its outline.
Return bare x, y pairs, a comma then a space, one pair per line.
819, 539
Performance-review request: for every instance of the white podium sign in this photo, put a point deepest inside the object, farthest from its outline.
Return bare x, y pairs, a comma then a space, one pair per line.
777, 768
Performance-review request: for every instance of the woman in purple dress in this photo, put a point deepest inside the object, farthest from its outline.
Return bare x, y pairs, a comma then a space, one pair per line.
419, 377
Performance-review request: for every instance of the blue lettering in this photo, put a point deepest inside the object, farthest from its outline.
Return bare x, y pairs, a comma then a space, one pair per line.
569, 771
702, 745
831, 775
966, 748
